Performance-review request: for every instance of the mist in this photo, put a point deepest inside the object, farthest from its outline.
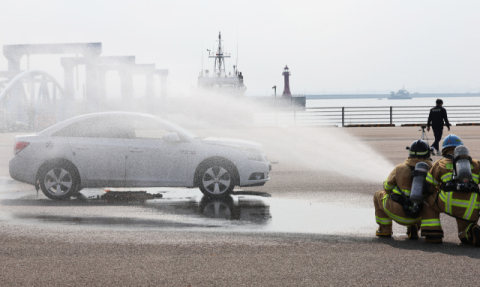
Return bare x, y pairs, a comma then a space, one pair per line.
316, 148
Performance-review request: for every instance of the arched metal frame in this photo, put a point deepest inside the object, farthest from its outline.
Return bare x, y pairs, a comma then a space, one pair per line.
41, 109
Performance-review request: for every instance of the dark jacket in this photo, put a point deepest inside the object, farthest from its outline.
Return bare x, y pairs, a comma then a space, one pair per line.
437, 116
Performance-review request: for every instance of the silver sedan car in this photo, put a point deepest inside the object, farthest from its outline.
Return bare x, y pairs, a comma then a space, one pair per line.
118, 149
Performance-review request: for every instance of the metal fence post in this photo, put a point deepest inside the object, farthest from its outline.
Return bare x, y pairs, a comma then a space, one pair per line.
391, 115
343, 117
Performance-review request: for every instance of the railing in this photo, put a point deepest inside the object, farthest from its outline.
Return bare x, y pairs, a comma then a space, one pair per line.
354, 116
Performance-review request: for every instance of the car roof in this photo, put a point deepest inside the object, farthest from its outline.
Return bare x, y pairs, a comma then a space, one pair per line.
53, 129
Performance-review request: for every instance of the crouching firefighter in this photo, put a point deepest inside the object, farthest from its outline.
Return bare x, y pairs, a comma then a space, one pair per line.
454, 191
401, 199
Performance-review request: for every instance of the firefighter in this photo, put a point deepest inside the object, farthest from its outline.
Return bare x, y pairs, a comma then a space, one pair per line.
393, 203
454, 191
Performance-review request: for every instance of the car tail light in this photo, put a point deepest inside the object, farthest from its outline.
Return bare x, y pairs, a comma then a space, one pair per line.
19, 146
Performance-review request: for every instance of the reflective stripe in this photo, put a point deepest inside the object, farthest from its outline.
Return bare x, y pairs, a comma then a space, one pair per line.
475, 178
448, 207
449, 166
442, 195
397, 190
469, 211
446, 177
386, 186
419, 152
468, 228
461, 203
431, 179
384, 221
446, 197
431, 222
399, 219
469, 205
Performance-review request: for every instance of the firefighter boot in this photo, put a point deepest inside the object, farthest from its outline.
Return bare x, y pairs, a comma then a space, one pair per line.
384, 232
412, 231
475, 235
434, 239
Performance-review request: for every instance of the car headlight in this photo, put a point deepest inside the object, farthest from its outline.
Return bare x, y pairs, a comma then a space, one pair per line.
253, 154
256, 157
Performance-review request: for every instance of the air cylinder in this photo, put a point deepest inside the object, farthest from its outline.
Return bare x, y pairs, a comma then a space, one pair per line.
463, 168
421, 170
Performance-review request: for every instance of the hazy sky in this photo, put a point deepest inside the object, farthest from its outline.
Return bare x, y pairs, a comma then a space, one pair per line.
330, 46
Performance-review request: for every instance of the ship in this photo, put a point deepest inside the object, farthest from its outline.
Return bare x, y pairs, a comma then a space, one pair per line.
218, 80
402, 94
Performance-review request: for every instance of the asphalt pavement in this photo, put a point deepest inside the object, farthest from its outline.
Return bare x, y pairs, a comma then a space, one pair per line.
313, 224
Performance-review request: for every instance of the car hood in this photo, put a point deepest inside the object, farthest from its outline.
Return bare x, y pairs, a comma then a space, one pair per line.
232, 142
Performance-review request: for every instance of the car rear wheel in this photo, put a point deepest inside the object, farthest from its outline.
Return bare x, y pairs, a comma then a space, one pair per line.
217, 180
58, 181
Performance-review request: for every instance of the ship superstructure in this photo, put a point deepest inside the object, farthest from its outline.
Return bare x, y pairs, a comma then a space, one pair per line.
402, 94
219, 80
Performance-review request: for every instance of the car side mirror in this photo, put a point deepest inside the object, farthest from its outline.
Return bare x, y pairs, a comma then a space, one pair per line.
171, 137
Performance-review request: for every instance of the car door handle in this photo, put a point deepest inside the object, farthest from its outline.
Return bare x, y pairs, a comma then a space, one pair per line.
135, 150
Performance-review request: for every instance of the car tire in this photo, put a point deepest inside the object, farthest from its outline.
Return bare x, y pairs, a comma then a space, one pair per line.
216, 179
59, 181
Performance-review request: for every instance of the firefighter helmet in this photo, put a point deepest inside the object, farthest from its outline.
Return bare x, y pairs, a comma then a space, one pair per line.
451, 141
420, 149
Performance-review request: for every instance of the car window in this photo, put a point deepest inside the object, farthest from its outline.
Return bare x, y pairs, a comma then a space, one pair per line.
145, 129
98, 127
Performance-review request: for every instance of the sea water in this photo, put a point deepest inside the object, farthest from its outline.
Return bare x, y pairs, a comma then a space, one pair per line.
380, 102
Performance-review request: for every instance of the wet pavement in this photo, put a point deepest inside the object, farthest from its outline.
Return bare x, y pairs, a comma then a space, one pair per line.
316, 229
244, 211
303, 200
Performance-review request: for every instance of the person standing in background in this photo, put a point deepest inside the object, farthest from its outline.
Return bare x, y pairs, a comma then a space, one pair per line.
437, 118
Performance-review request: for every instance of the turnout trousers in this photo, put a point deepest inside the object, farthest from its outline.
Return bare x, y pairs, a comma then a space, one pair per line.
387, 210
437, 133
461, 205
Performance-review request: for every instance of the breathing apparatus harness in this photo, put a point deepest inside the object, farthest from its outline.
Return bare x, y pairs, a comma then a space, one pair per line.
412, 205
462, 173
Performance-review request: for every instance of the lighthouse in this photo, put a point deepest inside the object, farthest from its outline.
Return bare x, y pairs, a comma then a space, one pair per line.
286, 89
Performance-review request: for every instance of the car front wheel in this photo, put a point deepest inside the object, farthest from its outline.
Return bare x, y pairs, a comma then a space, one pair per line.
217, 180
58, 181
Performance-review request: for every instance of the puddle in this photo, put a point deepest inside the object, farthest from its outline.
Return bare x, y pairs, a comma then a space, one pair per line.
189, 209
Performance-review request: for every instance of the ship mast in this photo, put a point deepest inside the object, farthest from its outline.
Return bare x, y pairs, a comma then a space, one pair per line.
219, 66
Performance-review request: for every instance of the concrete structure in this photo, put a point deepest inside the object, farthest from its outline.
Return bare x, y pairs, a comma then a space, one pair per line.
69, 63
90, 51
96, 67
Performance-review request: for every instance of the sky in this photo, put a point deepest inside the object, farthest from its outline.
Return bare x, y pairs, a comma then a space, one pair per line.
340, 46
